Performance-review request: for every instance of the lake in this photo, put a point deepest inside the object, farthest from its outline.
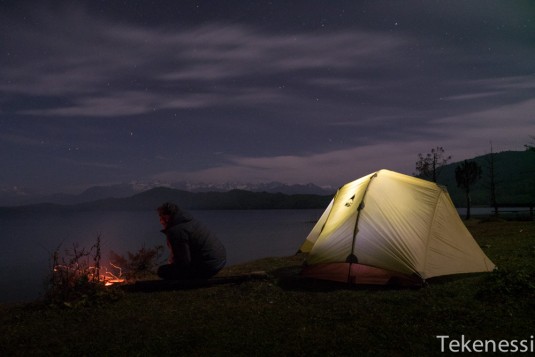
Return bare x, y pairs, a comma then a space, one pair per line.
29, 239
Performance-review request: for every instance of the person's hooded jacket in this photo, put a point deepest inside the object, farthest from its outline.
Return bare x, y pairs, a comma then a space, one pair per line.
192, 245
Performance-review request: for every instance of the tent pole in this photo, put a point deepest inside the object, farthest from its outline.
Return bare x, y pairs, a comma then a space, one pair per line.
352, 258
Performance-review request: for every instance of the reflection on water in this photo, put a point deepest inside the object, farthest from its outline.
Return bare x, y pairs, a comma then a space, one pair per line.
28, 239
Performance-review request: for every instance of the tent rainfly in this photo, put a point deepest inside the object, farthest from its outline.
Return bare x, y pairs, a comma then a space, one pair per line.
387, 227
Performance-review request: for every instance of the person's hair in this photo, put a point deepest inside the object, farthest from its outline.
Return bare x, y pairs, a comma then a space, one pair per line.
168, 208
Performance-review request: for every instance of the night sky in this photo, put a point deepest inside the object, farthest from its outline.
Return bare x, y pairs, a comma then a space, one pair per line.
104, 92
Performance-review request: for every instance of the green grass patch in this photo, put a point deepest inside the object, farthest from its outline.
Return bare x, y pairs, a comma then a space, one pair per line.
285, 315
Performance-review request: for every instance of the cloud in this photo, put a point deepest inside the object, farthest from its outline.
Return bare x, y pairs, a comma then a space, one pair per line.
278, 98
499, 88
111, 105
108, 69
20, 140
75, 163
328, 168
463, 136
501, 124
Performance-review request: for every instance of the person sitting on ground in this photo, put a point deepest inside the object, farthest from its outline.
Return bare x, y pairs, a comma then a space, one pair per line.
195, 252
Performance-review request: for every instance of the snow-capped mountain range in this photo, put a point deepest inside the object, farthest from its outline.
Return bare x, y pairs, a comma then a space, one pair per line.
15, 196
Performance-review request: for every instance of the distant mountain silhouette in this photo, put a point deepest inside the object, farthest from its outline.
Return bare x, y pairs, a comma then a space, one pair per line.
514, 177
270, 187
151, 199
90, 194
124, 190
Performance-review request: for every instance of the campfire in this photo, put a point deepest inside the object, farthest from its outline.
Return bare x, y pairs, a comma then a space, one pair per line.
79, 272
96, 274
109, 278
81, 266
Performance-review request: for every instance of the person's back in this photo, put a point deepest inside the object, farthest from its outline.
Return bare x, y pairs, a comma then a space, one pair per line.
195, 251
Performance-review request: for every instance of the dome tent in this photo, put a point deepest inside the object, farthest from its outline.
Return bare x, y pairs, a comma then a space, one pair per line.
388, 227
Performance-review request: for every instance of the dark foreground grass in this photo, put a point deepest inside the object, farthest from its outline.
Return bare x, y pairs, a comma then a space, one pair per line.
288, 316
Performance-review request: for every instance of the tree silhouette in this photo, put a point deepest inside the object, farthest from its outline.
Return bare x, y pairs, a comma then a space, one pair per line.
466, 175
428, 167
531, 146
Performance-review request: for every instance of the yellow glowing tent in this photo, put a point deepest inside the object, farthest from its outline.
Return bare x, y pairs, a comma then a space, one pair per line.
388, 227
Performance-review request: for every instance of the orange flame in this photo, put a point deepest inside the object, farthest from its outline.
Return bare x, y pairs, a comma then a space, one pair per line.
109, 278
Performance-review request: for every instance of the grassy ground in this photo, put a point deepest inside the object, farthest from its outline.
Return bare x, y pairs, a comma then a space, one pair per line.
288, 316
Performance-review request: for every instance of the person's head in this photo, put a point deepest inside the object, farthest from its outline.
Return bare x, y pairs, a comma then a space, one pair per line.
167, 211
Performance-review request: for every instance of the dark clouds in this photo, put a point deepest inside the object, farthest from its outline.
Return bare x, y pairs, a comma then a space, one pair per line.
297, 92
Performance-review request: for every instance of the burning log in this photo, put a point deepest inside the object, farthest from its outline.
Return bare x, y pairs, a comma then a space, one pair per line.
109, 278
71, 275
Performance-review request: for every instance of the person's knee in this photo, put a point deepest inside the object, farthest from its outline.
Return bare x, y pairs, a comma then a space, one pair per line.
164, 271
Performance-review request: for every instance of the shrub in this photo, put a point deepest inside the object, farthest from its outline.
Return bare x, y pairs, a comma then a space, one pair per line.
504, 283
75, 277
140, 264
78, 278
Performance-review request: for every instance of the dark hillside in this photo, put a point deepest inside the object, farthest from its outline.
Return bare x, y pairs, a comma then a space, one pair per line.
151, 199
514, 177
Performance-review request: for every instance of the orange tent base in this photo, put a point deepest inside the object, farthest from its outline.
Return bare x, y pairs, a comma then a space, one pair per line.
359, 274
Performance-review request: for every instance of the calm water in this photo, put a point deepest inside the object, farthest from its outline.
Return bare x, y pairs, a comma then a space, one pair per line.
28, 240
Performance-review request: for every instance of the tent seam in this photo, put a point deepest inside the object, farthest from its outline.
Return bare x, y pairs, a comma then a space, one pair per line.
359, 209
355, 229
431, 225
